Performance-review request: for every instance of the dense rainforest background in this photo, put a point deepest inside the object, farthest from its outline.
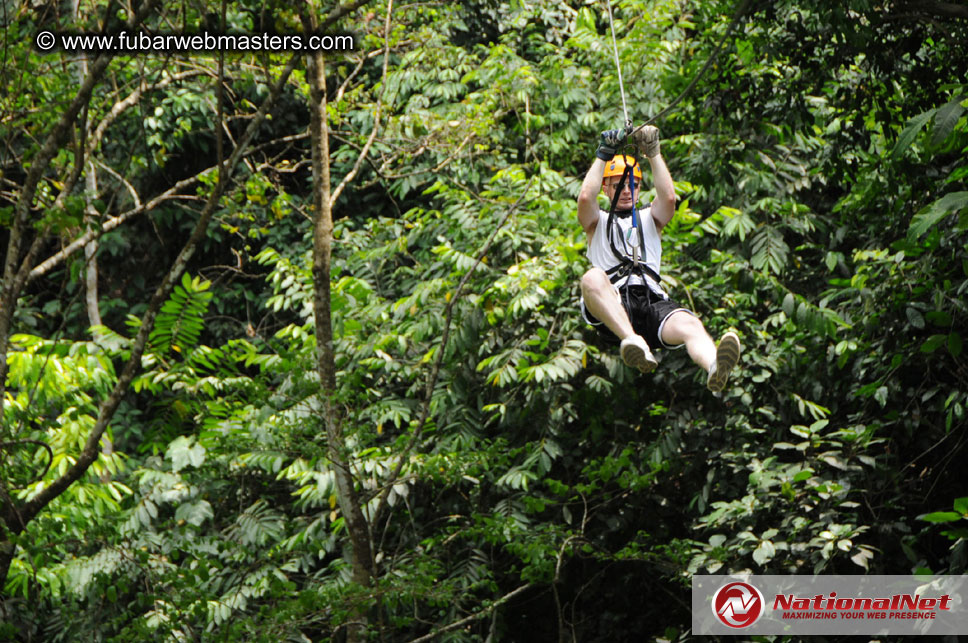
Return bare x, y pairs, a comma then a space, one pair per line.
290, 347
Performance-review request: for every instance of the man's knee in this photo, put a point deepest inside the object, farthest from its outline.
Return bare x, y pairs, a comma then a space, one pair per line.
595, 281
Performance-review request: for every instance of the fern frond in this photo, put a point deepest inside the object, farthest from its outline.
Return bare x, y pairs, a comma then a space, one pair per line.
181, 319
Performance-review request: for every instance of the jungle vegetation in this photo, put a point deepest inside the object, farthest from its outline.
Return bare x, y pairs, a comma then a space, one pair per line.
290, 347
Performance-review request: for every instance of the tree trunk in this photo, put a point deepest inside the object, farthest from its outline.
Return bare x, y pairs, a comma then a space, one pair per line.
90, 194
16, 518
349, 500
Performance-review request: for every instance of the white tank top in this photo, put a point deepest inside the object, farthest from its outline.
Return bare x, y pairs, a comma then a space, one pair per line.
601, 256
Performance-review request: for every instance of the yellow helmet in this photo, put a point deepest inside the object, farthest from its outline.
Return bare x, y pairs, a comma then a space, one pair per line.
616, 167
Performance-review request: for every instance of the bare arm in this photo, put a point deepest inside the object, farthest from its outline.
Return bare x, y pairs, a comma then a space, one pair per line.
588, 197
590, 187
664, 206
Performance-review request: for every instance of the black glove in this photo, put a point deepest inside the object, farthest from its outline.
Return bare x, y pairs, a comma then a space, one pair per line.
612, 139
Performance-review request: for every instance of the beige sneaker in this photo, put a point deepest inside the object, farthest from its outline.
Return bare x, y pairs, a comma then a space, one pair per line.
635, 353
727, 355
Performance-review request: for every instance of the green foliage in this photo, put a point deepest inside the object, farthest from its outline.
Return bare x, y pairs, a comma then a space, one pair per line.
821, 171
52, 395
179, 322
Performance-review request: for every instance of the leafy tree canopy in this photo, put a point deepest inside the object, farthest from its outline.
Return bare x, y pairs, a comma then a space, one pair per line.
225, 418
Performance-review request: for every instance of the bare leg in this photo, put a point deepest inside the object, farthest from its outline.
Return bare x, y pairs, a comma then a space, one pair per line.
601, 301
717, 361
683, 328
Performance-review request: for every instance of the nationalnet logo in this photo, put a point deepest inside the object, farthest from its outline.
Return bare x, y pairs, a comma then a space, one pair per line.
738, 604
898, 606
751, 604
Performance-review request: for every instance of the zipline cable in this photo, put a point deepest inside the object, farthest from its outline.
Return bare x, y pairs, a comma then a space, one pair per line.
729, 30
618, 66
740, 11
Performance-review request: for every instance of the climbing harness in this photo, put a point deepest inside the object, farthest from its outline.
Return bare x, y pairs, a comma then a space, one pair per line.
630, 259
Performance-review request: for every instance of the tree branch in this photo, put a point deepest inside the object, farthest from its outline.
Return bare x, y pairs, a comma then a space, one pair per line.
110, 405
435, 369
135, 197
938, 9
376, 116
171, 193
340, 12
354, 73
47, 447
474, 617
14, 279
119, 107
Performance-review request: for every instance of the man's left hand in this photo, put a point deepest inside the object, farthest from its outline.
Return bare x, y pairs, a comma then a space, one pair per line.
647, 140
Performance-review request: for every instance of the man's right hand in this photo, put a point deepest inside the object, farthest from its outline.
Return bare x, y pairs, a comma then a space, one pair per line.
612, 139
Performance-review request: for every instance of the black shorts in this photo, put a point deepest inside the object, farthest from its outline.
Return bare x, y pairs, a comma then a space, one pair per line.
647, 310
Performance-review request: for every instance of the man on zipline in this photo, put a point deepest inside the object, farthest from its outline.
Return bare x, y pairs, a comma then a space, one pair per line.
621, 295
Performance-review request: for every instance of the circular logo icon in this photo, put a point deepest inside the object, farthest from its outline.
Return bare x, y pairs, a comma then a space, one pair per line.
738, 604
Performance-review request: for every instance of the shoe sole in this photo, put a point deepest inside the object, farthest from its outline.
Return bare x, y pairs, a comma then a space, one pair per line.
727, 355
635, 357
